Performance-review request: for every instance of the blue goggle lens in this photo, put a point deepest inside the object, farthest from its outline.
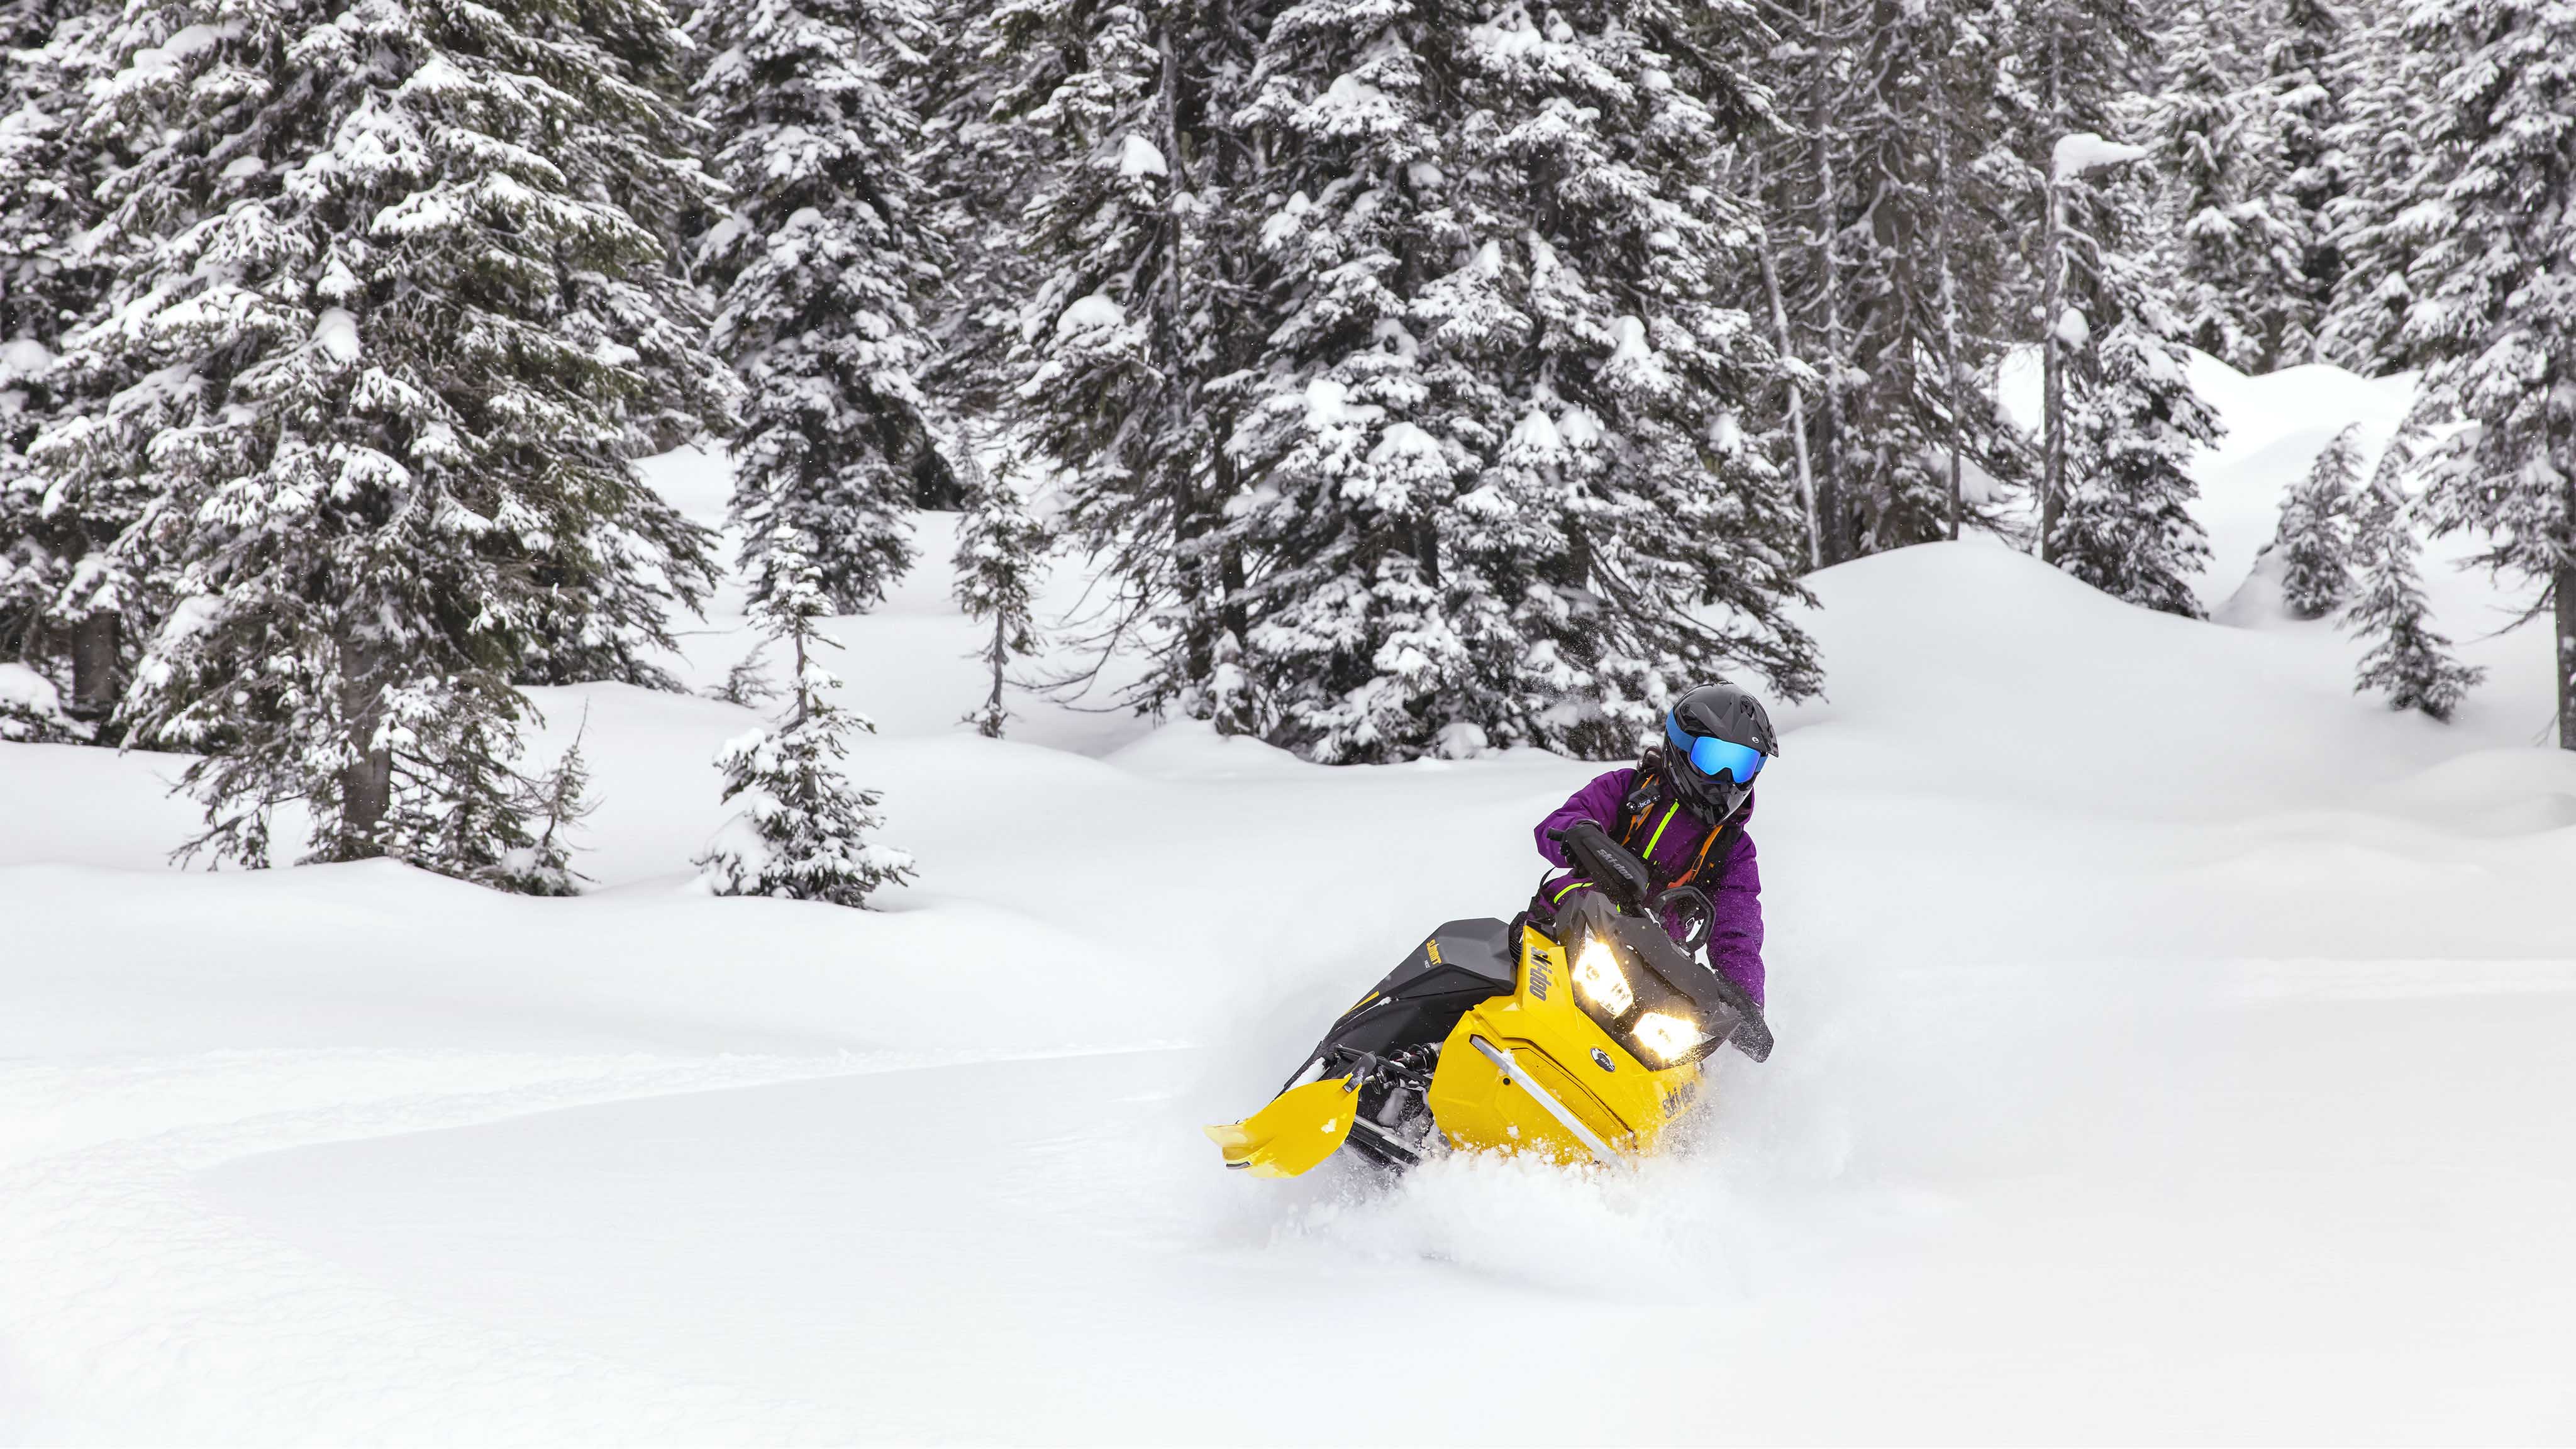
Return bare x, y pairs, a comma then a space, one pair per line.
1714, 757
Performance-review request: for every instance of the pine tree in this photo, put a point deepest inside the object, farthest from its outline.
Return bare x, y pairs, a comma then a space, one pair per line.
2494, 315
2124, 420
1133, 253
2236, 262
1897, 188
802, 828
984, 160
62, 600
2315, 536
2306, 71
2408, 660
1805, 269
2387, 84
820, 255
2134, 428
1001, 555
2074, 63
1486, 471
376, 368
553, 803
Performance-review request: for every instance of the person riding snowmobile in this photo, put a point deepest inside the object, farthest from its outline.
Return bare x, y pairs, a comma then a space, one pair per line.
1683, 811
1581, 1030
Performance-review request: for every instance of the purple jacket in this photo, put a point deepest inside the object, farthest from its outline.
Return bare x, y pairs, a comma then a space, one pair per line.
1735, 938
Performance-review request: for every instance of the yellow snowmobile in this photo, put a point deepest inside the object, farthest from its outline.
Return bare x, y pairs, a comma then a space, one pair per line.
1584, 1044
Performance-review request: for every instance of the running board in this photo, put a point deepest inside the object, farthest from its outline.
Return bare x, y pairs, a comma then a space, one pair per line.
1513, 1075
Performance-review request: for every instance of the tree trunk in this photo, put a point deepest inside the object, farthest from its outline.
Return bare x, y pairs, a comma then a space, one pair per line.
1190, 507
2052, 307
1829, 485
1001, 654
1953, 393
95, 685
366, 784
1797, 397
2562, 585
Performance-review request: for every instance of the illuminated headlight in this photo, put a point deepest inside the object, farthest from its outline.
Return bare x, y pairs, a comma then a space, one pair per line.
1669, 1037
1598, 977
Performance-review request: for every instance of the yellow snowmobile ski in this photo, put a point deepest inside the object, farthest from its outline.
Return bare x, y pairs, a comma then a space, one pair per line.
1301, 1127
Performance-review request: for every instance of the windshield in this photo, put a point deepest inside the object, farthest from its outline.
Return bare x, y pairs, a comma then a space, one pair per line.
1663, 1003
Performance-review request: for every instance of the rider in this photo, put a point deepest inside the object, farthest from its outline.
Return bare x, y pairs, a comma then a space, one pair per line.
1682, 810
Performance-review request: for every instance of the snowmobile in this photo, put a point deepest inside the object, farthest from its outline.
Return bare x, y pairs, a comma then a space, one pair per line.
1583, 1041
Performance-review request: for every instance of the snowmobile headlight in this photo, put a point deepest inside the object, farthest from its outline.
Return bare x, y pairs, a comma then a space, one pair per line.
1598, 977
1668, 1036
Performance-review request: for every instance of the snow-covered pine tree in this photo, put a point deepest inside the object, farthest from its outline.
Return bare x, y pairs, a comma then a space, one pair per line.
2495, 315
1134, 250
1893, 186
1001, 556
1800, 167
802, 828
392, 303
2408, 660
63, 606
2074, 62
2388, 86
988, 67
553, 802
2315, 536
2305, 75
820, 255
1492, 488
2133, 422
2236, 265
1984, 271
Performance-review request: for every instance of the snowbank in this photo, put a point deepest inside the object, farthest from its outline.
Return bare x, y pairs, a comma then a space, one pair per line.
2172, 1047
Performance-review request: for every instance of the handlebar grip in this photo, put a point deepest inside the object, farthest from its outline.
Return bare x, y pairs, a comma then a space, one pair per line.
1698, 911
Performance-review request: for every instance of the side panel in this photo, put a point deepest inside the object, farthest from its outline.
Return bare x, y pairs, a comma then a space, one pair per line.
1456, 966
1554, 1043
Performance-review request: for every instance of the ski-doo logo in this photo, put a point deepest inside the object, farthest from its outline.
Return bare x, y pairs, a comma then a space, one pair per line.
1538, 977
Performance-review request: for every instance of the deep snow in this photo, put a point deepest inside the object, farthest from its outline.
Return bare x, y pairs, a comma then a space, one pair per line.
2172, 1047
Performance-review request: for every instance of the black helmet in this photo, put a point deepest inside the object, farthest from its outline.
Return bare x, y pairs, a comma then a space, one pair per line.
1715, 740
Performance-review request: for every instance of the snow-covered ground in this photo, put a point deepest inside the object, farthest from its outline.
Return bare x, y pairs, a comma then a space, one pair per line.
2173, 1046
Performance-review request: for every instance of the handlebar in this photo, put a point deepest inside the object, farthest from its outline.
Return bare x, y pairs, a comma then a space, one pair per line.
1625, 879
1619, 874
1698, 914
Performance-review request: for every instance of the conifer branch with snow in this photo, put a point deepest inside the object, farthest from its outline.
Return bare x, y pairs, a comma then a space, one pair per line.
746, 684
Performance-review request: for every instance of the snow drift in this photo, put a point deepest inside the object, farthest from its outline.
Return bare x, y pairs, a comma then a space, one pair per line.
2172, 1046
